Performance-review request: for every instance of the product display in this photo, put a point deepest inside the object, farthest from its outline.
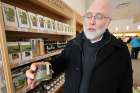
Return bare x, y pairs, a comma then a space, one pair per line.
41, 22
9, 13
14, 53
33, 20
23, 19
26, 50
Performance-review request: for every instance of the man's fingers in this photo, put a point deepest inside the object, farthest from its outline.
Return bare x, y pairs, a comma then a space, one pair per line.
29, 81
34, 66
30, 74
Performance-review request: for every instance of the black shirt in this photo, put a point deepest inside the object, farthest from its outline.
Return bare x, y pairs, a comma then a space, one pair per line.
88, 61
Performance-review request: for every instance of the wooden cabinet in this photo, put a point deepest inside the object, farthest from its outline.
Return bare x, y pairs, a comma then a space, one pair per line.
56, 10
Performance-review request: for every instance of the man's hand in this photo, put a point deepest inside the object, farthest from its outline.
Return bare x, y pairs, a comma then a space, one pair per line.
31, 73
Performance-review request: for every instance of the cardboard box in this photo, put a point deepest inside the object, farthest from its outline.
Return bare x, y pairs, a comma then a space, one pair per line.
48, 24
9, 13
61, 27
41, 22
33, 20
19, 80
14, 53
35, 47
26, 51
23, 19
53, 22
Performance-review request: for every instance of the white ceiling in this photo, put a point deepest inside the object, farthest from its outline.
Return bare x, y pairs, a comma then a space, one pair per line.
126, 9
124, 12
122, 8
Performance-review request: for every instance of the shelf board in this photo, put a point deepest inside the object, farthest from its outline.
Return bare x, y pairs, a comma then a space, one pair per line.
29, 33
53, 53
26, 88
58, 87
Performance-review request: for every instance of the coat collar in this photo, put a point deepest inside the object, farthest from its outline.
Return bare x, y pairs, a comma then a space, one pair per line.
107, 35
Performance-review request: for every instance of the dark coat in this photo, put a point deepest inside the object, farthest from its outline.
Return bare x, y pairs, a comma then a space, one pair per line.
112, 72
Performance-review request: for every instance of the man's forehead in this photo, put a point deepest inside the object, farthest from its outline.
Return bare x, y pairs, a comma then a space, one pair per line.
101, 6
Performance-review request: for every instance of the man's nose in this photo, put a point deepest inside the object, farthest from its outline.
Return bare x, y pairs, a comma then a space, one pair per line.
92, 21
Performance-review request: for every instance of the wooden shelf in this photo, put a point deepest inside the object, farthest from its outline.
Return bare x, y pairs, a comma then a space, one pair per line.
58, 6
53, 53
54, 9
26, 88
58, 87
35, 34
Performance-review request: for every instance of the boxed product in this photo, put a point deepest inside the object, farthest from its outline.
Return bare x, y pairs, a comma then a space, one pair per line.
53, 25
19, 80
56, 26
23, 19
41, 22
14, 53
61, 26
69, 30
48, 24
65, 28
33, 20
26, 50
9, 13
35, 47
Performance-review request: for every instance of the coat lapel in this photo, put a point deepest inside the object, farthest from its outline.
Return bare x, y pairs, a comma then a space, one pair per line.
106, 51
103, 54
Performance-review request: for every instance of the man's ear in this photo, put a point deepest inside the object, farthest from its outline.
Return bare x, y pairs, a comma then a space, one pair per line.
108, 23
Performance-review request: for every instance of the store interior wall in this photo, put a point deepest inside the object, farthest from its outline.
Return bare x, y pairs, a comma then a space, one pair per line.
77, 5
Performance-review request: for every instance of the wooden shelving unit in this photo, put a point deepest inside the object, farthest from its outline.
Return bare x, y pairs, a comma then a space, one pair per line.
79, 23
55, 9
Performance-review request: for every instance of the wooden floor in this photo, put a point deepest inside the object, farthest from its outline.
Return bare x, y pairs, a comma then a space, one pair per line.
136, 74
136, 71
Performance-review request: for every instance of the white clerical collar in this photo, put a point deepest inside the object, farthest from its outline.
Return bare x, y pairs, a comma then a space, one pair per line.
97, 39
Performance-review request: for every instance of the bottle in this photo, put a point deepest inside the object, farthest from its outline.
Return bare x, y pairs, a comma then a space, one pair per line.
44, 72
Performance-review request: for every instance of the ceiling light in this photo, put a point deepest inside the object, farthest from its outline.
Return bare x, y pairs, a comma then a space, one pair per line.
127, 27
116, 28
123, 5
138, 27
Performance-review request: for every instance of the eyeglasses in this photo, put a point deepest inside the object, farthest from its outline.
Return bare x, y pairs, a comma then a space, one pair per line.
97, 16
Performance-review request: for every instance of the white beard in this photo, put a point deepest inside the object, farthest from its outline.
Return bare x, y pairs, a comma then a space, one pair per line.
94, 35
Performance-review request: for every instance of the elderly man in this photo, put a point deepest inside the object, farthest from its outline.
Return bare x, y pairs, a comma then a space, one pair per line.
95, 61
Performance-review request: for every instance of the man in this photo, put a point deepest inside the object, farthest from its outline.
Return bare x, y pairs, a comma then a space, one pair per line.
135, 42
95, 61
